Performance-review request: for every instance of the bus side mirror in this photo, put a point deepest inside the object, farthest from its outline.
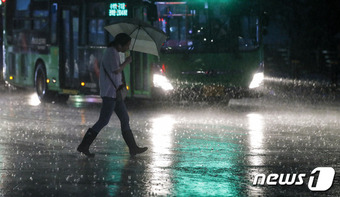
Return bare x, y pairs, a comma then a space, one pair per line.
152, 14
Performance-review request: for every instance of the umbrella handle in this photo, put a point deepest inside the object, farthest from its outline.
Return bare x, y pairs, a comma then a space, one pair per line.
135, 39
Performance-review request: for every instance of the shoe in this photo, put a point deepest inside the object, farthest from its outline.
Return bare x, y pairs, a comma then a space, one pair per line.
137, 150
86, 142
131, 143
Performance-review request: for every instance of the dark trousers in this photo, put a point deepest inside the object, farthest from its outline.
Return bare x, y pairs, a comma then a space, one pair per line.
109, 106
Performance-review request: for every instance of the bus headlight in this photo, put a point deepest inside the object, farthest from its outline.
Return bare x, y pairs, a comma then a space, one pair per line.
257, 80
160, 81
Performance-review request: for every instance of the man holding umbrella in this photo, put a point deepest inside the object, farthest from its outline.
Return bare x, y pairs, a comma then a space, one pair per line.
146, 39
111, 81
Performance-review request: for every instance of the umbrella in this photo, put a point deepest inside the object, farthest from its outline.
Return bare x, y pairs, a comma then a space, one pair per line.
145, 38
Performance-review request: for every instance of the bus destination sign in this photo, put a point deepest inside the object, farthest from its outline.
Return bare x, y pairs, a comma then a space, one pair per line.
118, 9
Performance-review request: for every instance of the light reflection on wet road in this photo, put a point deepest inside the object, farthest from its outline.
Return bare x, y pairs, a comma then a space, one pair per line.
194, 149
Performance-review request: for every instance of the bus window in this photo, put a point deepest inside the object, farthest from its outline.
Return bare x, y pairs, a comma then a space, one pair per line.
22, 8
96, 32
249, 35
69, 57
96, 23
22, 24
206, 27
75, 29
53, 24
173, 20
21, 12
40, 22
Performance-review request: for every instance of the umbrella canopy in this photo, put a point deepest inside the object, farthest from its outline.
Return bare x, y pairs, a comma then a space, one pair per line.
145, 38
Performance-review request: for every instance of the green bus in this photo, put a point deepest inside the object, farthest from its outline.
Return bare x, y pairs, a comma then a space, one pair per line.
214, 47
56, 46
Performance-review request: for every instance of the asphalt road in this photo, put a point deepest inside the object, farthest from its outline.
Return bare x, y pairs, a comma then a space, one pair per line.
195, 149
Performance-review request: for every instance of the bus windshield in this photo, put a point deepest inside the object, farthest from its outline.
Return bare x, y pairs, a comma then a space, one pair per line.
203, 27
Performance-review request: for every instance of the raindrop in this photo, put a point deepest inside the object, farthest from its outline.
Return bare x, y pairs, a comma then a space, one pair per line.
67, 178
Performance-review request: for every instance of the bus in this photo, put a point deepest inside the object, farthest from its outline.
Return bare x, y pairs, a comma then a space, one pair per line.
56, 46
214, 47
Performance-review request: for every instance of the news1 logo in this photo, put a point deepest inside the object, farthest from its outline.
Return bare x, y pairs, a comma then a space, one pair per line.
320, 179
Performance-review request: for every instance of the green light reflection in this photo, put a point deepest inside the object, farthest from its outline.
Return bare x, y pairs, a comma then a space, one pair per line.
209, 166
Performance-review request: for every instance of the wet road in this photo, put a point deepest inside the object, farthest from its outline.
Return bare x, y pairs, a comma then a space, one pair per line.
194, 149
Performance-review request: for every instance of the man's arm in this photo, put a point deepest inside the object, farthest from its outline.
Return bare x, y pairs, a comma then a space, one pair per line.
127, 61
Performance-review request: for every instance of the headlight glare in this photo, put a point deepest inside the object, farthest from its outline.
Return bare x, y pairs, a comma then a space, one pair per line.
257, 80
160, 81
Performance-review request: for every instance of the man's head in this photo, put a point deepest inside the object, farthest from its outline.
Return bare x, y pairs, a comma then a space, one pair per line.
121, 42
